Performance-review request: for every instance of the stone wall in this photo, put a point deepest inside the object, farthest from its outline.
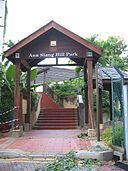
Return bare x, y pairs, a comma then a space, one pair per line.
68, 102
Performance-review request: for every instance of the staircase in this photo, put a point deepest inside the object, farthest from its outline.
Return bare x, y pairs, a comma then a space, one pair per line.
57, 119
47, 102
54, 117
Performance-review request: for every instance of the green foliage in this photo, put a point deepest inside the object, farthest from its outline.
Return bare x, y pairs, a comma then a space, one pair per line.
83, 135
7, 83
91, 163
65, 163
105, 101
2, 75
10, 73
6, 103
115, 136
68, 88
69, 163
107, 136
78, 69
113, 51
118, 135
6, 87
10, 43
33, 74
34, 100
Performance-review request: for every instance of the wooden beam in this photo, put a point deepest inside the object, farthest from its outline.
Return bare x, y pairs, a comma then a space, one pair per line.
25, 63
90, 91
17, 96
48, 65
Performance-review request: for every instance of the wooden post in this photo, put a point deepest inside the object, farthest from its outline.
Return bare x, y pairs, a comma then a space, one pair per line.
90, 91
17, 96
27, 118
100, 107
86, 94
21, 106
110, 99
44, 86
97, 104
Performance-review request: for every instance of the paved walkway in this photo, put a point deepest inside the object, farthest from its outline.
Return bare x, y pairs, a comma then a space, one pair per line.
19, 165
43, 142
46, 142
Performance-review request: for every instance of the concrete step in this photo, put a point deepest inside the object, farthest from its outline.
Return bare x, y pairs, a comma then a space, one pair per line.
54, 127
56, 124
57, 116
55, 121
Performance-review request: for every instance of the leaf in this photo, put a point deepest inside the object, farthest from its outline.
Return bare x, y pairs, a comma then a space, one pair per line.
33, 74
10, 73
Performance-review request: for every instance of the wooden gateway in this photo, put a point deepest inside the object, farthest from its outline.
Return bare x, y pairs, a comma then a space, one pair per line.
53, 42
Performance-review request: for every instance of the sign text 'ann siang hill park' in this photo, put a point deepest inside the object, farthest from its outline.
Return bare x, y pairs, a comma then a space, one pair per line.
52, 55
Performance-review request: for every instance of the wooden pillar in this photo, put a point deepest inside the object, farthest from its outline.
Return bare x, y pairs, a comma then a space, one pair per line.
44, 86
90, 91
100, 107
86, 94
27, 118
17, 96
110, 99
21, 113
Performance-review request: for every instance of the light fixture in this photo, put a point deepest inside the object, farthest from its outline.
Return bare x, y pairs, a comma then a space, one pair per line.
17, 55
89, 54
52, 43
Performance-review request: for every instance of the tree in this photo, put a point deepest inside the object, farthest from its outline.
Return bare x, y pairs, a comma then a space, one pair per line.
113, 51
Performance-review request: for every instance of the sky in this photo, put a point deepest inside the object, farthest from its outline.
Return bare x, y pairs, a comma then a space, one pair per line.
83, 17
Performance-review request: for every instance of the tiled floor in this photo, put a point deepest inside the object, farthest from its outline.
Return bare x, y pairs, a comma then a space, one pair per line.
46, 141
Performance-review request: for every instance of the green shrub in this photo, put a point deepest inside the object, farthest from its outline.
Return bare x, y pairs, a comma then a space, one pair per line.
107, 136
118, 138
34, 100
114, 137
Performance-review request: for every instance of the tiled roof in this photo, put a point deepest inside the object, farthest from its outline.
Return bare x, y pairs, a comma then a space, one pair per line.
111, 72
55, 74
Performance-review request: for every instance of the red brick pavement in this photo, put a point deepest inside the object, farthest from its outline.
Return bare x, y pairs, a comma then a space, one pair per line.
47, 141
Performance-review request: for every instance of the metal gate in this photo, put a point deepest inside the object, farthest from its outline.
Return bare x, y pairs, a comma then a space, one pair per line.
117, 82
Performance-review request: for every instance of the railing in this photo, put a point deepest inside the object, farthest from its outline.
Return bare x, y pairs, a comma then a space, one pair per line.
5, 126
81, 111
